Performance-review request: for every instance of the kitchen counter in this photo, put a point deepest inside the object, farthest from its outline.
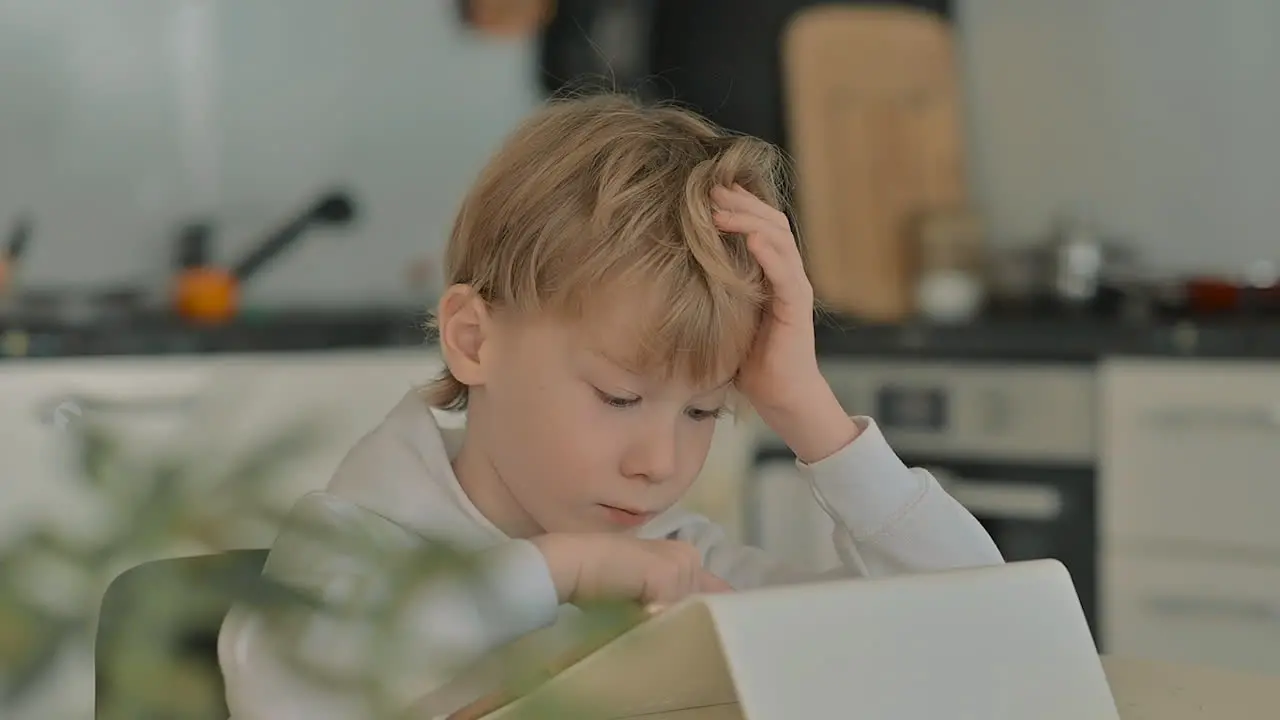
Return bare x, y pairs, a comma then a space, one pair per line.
265, 332
288, 330
1054, 340
1147, 690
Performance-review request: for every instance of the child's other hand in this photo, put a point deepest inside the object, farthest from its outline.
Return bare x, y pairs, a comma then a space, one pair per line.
605, 566
781, 377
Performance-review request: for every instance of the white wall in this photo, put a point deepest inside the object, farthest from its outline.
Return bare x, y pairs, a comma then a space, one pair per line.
1161, 116
121, 117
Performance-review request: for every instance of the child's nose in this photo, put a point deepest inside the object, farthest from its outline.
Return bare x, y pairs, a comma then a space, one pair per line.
654, 457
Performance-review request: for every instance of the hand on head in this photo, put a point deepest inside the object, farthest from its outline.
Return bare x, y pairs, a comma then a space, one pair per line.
780, 377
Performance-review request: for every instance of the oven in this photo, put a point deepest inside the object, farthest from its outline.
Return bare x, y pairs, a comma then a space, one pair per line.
1013, 442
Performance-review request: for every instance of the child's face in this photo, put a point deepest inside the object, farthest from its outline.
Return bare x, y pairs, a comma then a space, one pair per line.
575, 442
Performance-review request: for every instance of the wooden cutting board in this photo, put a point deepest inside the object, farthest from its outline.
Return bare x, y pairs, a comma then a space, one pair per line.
873, 111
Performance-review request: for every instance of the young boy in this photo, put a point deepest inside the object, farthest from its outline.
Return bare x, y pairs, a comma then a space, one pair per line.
617, 274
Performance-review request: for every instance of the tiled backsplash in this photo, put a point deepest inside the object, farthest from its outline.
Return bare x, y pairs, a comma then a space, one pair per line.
122, 118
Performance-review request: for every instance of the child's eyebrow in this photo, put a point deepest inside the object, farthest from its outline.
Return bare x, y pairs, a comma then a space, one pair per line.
719, 387
610, 359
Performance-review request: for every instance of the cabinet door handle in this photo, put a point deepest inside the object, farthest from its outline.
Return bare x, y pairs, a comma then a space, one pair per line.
1252, 417
79, 403
1231, 608
1001, 500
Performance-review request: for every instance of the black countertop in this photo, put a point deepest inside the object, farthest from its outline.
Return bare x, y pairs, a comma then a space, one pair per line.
1057, 340
267, 332
1054, 341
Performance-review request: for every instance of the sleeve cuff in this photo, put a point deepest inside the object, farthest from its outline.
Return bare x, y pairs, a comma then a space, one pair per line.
455, 622
865, 482
519, 583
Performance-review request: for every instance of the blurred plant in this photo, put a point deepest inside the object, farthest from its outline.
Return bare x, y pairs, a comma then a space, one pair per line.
192, 499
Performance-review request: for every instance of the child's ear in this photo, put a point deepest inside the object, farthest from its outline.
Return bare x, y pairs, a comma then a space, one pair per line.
463, 321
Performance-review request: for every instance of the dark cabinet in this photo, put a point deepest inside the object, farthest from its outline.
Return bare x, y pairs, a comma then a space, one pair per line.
717, 56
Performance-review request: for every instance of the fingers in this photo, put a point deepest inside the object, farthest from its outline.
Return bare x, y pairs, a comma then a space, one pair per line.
773, 245
709, 583
738, 211
676, 573
737, 200
775, 249
744, 223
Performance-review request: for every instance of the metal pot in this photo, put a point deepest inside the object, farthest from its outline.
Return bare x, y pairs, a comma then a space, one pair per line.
1081, 260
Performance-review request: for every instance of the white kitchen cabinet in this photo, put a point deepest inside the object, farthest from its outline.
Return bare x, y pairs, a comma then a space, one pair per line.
229, 401
1191, 453
218, 404
1189, 486
1202, 610
38, 402
345, 393
41, 399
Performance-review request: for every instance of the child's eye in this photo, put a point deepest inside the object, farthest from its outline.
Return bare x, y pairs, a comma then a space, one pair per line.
614, 401
696, 414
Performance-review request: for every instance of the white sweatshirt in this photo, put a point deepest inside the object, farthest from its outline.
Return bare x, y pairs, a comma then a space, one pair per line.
396, 487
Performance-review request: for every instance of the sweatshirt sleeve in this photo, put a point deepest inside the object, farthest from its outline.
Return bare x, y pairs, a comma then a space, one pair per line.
889, 519
443, 625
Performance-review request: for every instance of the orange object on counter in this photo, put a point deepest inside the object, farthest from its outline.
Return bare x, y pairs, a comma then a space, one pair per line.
206, 295
508, 18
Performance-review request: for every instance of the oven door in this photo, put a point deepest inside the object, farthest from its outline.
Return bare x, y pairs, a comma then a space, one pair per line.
1031, 512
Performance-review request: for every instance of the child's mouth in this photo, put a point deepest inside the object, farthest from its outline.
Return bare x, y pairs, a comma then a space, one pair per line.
625, 517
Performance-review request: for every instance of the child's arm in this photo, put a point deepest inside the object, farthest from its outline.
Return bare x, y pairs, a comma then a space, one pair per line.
889, 518
444, 624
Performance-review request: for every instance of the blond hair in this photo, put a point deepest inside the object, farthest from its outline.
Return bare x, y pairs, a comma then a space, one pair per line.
597, 193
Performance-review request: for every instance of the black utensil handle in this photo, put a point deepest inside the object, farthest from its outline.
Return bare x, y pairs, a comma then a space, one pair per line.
275, 244
332, 208
194, 246
19, 237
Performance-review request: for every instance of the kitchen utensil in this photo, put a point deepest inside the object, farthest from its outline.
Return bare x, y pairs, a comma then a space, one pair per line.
1085, 268
204, 293
1013, 275
1255, 292
1080, 258
949, 279
873, 106
19, 237
1076, 267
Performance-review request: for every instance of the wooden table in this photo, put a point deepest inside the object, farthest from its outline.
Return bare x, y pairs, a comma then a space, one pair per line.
1146, 690
1143, 690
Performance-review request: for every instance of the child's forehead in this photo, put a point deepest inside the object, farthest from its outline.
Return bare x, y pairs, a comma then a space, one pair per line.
614, 343
641, 329
619, 326
613, 327
630, 348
